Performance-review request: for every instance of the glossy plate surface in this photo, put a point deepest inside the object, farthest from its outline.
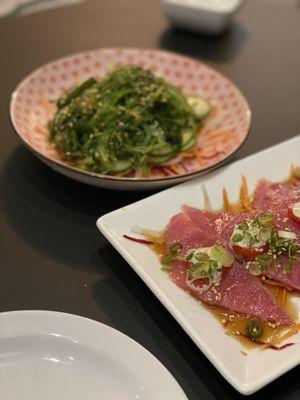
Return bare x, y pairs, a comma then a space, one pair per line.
50, 355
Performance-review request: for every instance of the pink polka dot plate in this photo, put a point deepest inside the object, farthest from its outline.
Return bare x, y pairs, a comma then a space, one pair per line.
223, 133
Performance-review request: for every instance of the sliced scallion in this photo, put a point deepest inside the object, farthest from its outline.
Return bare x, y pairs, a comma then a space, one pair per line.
254, 329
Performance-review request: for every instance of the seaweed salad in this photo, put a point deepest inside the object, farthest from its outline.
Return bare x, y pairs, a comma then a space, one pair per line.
130, 119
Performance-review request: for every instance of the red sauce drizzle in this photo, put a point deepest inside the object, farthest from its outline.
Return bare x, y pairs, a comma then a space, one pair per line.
137, 240
278, 348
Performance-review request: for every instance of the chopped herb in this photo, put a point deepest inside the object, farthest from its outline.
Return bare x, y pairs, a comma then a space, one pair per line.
237, 237
243, 226
253, 233
265, 219
202, 269
258, 233
264, 260
221, 255
264, 235
239, 258
286, 247
252, 240
289, 264
254, 268
166, 267
208, 263
166, 260
175, 248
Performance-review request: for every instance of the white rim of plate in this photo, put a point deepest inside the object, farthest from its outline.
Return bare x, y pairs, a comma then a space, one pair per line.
50, 317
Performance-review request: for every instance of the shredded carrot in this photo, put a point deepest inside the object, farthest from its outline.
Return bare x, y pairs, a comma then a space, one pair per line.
164, 170
183, 166
245, 200
47, 106
207, 203
292, 331
283, 297
175, 168
297, 172
294, 176
215, 137
199, 158
217, 134
217, 153
209, 151
188, 154
226, 203
213, 112
41, 129
272, 283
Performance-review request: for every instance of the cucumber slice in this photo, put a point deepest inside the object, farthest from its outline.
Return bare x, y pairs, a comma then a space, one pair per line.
121, 166
186, 137
190, 144
160, 159
165, 150
200, 106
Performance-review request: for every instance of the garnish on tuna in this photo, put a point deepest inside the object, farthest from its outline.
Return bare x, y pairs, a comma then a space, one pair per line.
206, 267
242, 262
259, 241
235, 290
251, 238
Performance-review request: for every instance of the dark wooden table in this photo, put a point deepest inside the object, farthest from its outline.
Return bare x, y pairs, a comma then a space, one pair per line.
52, 256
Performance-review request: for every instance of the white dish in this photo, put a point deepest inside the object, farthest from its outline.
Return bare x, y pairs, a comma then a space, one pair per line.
50, 355
212, 16
246, 374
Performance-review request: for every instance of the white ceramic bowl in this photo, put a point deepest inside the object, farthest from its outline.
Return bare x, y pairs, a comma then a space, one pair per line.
211, 16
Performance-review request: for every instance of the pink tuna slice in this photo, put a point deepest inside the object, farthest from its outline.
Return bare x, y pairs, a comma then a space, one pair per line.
196, 228
181, 228
277, 198
240, 292
222, 223
291, 280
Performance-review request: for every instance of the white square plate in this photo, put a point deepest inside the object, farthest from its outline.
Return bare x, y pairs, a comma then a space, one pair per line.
246, 374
